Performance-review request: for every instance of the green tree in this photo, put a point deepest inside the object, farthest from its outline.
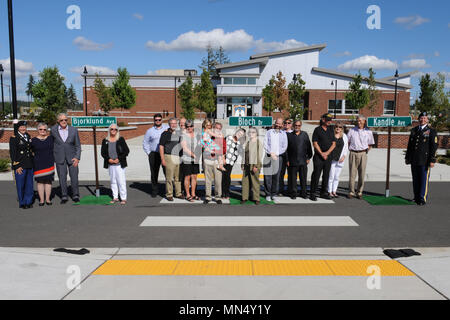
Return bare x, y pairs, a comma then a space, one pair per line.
123, 95
72, 100
204, 94
30, 84
374, 94
268, 96
212, 59
441, 109
426, 100
187, 99
358, 96
50, 95
104, 94
297, 92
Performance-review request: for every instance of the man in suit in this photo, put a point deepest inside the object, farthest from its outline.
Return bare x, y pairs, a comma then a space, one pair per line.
67, 152
421, 155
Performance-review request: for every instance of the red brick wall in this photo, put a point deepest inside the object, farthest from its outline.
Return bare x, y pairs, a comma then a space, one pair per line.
401, 141
318, 103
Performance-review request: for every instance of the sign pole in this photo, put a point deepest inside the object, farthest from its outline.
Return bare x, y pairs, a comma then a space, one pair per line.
97, 185
388, 171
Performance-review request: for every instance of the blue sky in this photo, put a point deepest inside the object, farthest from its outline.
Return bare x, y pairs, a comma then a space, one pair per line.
145, 36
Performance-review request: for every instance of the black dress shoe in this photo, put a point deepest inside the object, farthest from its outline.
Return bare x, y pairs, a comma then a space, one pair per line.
206, 202
64, 201
76, 199
219, 201
313, 198
42, 204
49, 203
326, 196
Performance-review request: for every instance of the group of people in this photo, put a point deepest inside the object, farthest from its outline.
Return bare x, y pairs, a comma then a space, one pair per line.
59, 149
182, 153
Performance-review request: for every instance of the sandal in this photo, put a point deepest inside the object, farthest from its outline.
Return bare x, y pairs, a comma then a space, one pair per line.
123, 202
196, 198
114, 201
190, 199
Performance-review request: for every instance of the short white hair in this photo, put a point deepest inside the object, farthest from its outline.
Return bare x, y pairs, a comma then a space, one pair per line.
109, 131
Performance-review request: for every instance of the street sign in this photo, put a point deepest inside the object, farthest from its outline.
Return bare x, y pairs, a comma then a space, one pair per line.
380, 122
88, 122
251, 121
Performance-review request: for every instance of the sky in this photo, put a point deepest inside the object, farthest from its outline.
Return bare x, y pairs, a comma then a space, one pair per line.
145, 36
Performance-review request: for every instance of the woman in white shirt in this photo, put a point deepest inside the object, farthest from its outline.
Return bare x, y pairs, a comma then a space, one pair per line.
338, 158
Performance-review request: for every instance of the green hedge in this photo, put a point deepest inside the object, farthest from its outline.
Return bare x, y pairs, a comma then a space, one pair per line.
5, 165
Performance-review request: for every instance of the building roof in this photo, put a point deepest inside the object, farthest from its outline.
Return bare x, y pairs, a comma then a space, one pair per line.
243, 63
352, 76
319, 47
400, 76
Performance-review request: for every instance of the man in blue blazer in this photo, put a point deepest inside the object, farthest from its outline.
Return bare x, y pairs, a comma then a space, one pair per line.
67, 152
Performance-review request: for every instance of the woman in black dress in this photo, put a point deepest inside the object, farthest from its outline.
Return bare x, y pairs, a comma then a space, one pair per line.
44, 164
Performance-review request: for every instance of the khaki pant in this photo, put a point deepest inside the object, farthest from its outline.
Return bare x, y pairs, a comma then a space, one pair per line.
172, 175
357, 163
250, 180
212, 174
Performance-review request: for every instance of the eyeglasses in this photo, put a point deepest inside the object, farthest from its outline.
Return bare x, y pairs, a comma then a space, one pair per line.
297, 126
339, 127
113, 130
42, 129
159, 120
63, 120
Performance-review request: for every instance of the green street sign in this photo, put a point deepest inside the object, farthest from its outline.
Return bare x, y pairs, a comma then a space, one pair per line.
251, 121
380, 122
88, 122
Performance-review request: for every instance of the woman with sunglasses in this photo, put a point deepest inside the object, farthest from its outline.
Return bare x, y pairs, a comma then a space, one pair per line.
338, 158
115, 152
190, 161
44, 164
251, 167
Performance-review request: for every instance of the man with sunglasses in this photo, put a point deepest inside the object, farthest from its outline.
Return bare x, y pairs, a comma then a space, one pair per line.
67, 152
151, 148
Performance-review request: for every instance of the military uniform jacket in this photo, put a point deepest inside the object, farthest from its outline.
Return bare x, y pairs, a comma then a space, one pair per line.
422, 146
20, 152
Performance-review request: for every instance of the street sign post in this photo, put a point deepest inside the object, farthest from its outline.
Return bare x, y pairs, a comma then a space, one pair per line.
389, 122
94, 122
251, 121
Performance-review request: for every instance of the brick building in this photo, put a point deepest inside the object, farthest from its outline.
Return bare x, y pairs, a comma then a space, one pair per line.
239, 89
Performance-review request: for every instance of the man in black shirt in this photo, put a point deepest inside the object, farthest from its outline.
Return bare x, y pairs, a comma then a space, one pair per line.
298, 155
170, 149
324, 143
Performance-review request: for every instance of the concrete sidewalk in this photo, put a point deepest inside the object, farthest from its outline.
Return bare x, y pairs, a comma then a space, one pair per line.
139, 169
44, 274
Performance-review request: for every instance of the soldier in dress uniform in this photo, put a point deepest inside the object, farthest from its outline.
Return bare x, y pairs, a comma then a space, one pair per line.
22, 164
421, 155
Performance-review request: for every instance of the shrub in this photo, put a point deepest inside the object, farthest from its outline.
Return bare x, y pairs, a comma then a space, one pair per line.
4, 165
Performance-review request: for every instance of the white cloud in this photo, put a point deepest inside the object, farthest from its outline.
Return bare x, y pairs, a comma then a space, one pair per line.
411, 21
415, 64
366, 62
23, 68
343, 54
94, 70
238, 40
416, 56
88, 45
138, 16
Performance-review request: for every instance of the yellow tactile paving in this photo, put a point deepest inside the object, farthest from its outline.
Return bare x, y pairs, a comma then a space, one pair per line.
214, 268
291, 268
252, 268
137, 267
361, 268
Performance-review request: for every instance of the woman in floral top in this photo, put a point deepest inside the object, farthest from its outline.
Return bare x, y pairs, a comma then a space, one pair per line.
234, 149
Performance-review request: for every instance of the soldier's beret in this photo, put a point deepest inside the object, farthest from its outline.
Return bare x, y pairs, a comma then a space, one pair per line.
423, 114
22, 123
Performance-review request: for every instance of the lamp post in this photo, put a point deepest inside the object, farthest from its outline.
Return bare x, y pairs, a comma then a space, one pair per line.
85, 73
12, 58
179, 81
3, 97
396, 88
335, 83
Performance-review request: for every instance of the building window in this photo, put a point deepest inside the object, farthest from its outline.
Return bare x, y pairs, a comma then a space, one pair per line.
240, 81
349, 109
389, 107
240, 107
338, 107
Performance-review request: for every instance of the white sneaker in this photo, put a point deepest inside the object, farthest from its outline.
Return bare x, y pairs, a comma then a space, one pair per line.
268, 199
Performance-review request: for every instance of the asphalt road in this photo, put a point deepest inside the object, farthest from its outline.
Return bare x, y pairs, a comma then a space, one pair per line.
119, 227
